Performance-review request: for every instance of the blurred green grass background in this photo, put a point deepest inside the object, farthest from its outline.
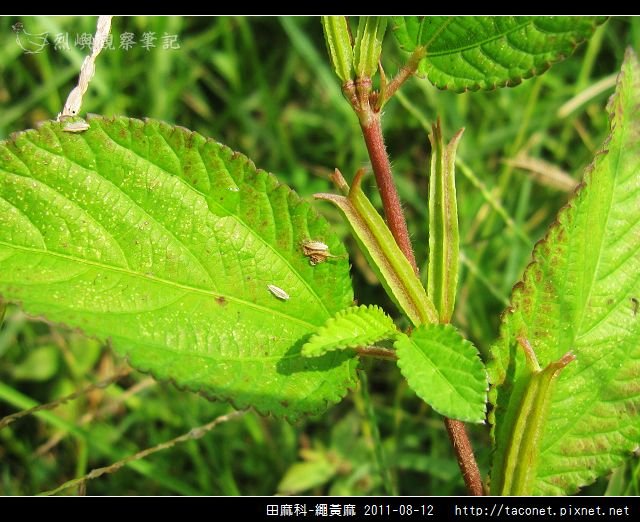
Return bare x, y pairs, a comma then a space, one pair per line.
263, 86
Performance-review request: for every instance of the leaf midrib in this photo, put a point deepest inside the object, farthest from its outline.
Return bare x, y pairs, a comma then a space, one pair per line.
159, 280
461, 49
208, 200
605, 226
559, 435
207, 355
437, 369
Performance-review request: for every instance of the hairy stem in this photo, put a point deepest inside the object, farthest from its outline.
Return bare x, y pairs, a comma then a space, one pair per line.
372, 132
464, 454
367, 105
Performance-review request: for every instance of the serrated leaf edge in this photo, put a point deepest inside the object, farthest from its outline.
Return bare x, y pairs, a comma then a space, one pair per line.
347, 343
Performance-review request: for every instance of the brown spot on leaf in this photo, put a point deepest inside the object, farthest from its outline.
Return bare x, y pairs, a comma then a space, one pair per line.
221, 300
549, 288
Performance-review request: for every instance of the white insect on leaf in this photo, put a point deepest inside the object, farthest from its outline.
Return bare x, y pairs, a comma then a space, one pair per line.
76, 126
278, 292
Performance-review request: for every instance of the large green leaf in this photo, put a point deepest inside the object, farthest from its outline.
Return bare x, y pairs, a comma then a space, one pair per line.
580, 294
444, 370
483, 52
166, 242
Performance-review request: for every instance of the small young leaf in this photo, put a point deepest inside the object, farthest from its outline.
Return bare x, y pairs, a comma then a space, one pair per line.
178, 250
444, 238
381, 250
484, 52
445, 371
578, 295
350, 328
338, 40
368, 46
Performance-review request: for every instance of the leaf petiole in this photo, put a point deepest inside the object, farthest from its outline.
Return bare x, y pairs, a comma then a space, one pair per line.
381, 250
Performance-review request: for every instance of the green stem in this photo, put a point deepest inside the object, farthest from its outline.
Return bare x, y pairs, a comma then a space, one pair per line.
403, 74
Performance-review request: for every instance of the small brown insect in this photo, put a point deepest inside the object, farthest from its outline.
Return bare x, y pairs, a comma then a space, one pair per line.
635, 304
316, 251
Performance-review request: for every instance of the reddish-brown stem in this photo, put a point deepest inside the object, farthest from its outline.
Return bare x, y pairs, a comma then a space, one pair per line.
464, 454
372, 132
367, 106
